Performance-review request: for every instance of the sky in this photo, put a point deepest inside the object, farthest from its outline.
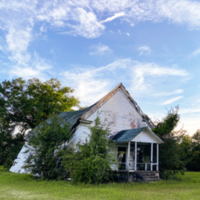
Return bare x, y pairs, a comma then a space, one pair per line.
152, 47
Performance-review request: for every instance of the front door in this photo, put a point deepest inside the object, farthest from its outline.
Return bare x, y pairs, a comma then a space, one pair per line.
143, 156
121, 157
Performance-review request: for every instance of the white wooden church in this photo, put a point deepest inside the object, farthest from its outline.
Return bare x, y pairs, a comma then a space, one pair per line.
136, 145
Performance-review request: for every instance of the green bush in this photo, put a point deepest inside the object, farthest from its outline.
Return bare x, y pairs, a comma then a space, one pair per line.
48, 140
91, 162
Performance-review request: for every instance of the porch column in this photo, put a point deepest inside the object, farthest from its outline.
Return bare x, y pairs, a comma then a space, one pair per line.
157, 167
151, 156
128, 155
135, 156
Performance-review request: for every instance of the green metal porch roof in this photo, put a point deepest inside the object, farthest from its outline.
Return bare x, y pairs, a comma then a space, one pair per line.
127, 135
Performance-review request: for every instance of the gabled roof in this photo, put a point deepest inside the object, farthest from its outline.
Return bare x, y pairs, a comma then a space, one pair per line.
131, 135
74, 117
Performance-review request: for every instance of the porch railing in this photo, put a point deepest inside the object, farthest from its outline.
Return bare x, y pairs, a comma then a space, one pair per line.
139, 166
147, 166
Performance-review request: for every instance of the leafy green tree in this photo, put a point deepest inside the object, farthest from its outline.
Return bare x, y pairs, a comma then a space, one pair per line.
194, 155
170, 162
91, 163
196, 137
186, 150
29, 103
47, 140
25, 104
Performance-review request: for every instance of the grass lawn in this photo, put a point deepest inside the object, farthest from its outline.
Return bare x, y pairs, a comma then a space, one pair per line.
21, 186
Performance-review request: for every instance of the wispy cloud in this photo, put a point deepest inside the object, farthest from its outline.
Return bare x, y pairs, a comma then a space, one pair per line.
195, 53
128, 34
116, 15
100, 49
87, 24
178, 91
86, 18
91, 83
35, 68
145, 75
83, 18
144, 50
190, 110
172, 100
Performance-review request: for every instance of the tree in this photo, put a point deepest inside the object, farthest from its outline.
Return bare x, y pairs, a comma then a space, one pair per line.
196, 137
170, 152
29, 103
186, 150
194, 154
91, 162
25, 104
47, 140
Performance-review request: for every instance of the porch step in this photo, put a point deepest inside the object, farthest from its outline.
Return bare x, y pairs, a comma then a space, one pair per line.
147, 176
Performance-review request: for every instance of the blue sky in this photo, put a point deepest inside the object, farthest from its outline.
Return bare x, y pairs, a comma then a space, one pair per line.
152, 47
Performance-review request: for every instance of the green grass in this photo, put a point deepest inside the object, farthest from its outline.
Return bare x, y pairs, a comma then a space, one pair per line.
21, 186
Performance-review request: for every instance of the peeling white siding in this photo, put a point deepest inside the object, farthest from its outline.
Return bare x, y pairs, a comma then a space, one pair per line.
80, 135
21, 159
119, 112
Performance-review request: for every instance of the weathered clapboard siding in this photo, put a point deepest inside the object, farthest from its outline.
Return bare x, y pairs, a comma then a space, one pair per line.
80, 135
20, 161
118, 112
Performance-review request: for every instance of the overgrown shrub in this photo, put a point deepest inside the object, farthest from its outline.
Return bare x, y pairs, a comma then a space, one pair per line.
91, 162
47, 140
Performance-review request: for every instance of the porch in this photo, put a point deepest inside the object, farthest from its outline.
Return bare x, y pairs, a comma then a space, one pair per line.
137, 153
138, 156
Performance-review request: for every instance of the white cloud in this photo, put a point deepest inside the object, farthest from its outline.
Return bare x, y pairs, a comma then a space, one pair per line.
178, 91
169, 101
17, 44
128, 34
195, 53
180, 12
191, 124
189, 110
100, 49
144, 50
35, 68
147, 74
92, 83
85, 18
116, 15
112, 6
88, 25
